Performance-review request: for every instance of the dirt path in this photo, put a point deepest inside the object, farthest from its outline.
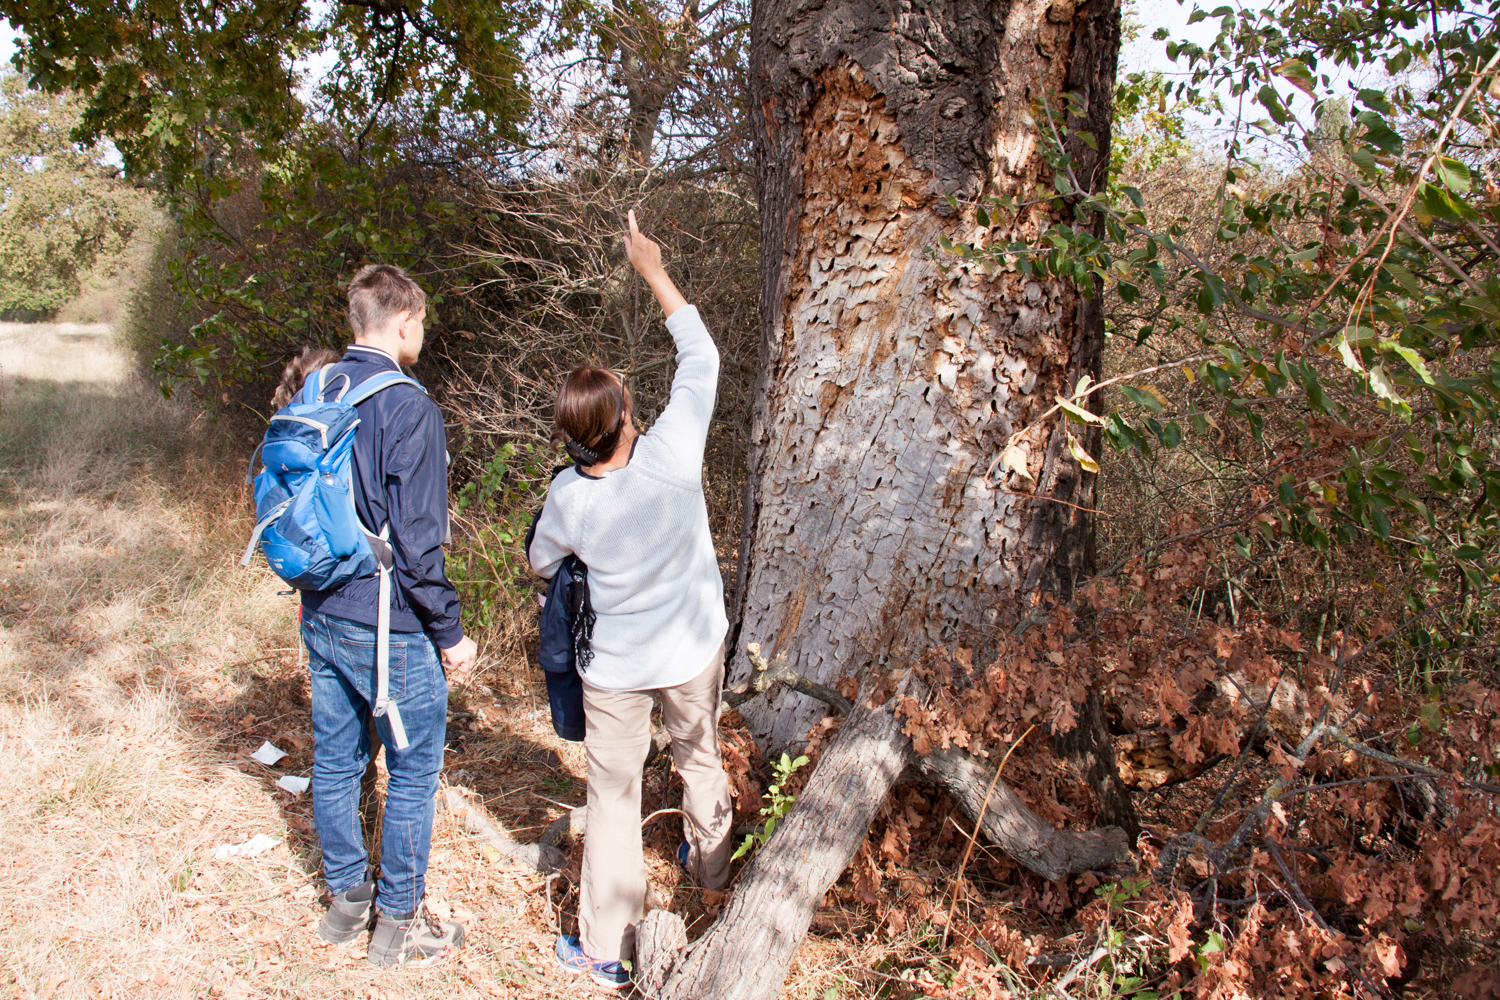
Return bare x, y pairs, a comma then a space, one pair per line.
140, 668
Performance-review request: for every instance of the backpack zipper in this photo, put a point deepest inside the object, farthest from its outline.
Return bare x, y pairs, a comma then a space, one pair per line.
322, 428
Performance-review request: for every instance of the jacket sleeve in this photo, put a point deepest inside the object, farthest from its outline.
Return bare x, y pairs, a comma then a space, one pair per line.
416, 486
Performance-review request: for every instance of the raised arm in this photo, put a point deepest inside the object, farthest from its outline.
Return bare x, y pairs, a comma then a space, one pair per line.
645, 257
683, 424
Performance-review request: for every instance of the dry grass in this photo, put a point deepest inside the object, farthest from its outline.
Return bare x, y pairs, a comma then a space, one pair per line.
139, 668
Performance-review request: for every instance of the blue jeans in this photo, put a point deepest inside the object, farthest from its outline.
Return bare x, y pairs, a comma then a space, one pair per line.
342, 659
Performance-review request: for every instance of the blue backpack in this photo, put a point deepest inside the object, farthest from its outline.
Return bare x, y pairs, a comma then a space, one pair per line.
305, 521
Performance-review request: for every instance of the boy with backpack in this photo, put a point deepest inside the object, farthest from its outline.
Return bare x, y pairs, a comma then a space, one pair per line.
363, 439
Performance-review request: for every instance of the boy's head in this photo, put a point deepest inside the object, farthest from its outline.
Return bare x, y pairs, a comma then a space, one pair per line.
386, 310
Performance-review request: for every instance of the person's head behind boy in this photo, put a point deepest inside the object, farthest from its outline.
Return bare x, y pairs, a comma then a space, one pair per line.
386, 311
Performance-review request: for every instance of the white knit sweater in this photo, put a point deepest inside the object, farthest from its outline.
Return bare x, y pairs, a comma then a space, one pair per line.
643, 533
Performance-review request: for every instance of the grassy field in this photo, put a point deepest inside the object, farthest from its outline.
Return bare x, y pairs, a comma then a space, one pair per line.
140, 666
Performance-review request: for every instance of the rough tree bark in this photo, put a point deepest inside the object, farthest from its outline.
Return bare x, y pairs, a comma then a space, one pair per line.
888, 383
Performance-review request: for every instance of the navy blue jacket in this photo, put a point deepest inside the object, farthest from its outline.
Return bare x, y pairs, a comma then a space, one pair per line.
400, 473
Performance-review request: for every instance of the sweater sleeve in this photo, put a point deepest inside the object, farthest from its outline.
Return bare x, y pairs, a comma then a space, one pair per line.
549, 544
683, 425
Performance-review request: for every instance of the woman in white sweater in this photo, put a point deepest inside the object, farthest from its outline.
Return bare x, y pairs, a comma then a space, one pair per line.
633, 512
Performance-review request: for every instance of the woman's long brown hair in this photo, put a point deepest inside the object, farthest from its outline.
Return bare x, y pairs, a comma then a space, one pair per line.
297, 370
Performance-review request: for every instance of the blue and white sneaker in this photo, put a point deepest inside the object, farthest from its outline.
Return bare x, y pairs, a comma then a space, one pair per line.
610, 975
684, 854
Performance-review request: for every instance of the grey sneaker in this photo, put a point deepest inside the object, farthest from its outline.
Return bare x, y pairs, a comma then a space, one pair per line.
349, 915
414, 940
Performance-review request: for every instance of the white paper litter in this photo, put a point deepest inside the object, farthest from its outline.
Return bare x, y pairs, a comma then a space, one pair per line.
258, 844
292, 783
268, 753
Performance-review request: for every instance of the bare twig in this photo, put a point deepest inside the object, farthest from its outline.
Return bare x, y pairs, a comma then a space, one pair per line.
766, 675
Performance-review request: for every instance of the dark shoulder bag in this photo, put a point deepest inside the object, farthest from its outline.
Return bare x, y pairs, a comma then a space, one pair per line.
564, 648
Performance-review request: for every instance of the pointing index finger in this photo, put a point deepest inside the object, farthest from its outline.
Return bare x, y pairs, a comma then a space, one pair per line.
634, 232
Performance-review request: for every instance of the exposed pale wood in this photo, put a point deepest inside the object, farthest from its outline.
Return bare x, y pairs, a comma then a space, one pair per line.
473, 818
1015, 829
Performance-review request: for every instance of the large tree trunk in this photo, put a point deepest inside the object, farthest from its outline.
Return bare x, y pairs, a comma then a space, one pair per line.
888, 384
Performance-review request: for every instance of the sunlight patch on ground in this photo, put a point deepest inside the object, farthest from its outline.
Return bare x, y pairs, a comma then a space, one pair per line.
61, 352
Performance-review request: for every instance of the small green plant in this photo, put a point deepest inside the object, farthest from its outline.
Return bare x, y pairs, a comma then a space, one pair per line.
778, 804
1123, 891
1121, 972
1213, 946
184, 878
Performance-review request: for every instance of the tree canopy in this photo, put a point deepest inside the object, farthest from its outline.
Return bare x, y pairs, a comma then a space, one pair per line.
185, 87
65, 211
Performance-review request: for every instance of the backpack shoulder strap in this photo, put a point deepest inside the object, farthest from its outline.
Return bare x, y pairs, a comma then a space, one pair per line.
374, 384
312, 386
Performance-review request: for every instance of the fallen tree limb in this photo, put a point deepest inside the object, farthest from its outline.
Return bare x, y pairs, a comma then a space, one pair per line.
472, 817
1025, 837
772, 907
779, 891
1029, 840
660, 939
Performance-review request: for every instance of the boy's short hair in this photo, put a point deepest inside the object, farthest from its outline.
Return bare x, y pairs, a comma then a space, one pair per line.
380, 291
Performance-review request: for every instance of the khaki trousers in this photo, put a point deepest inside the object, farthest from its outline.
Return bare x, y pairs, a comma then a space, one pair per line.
612, 898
